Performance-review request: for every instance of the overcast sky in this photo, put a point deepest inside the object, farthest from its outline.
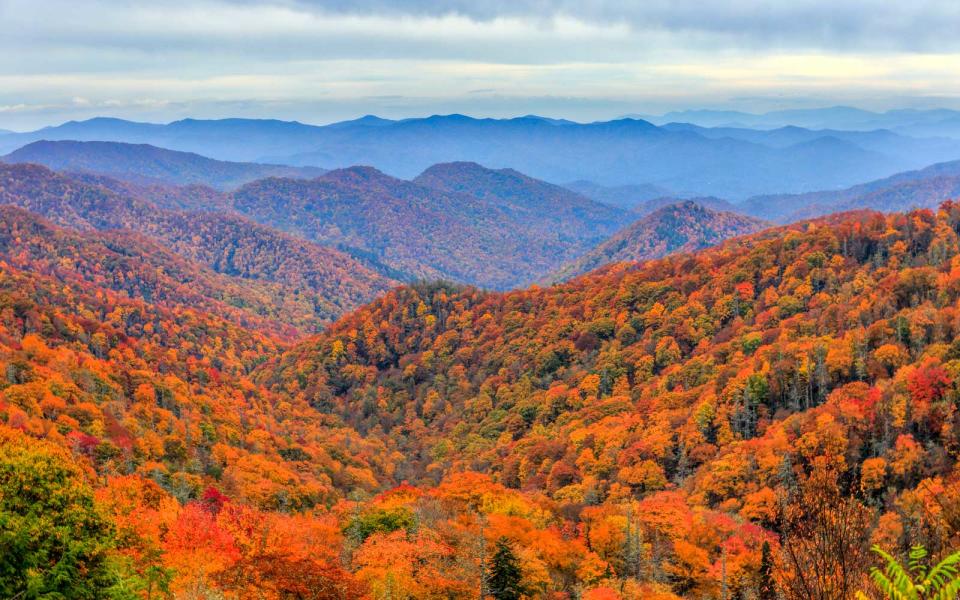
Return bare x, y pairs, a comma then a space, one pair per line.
324, 60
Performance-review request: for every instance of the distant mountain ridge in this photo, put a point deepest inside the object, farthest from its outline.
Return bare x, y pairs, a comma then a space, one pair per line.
148, 164
909, 150
627, 197
923, 188
686, 161
913, 122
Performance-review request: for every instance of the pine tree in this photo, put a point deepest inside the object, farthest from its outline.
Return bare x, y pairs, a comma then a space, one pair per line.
766, 589
632, 548
504, 579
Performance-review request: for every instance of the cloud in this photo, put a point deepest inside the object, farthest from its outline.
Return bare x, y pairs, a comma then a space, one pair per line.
586, 59
810, 24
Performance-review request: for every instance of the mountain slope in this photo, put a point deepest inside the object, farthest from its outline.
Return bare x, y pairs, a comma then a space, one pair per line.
137, 267
142, 163
691, 427
415, 231
120, 351
682, 227
529, 202
801, 372
314, 284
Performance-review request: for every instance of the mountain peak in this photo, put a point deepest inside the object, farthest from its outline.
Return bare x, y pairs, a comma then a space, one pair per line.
684, 226
358, 175
454, 167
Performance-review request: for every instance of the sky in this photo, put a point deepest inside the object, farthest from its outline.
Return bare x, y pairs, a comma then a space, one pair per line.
319, 61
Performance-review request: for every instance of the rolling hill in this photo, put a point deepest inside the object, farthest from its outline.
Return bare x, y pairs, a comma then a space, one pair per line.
136, 266
413, 231
314, 284
682, 227
461, 222
544, 208
142, 163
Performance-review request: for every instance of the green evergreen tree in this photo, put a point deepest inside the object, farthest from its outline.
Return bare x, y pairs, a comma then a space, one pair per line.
504, 579
767, 589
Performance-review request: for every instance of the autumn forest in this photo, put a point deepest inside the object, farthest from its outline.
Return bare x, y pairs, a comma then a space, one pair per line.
231, 380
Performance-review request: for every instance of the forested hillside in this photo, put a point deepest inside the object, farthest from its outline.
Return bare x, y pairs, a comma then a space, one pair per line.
462, 222
310, 284
738, 422
486, 237
507, 336
681, 227
797, 391
124, 398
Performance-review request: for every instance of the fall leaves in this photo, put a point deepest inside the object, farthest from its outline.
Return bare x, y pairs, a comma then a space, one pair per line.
662, 431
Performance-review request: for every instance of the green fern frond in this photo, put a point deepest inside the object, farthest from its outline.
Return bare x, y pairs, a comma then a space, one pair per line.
917, 561
891, 588
944, 573
894, 582
951, 591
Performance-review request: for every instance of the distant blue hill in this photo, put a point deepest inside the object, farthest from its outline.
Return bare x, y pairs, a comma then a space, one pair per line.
924, 188
143, 163
939, 122
686, 160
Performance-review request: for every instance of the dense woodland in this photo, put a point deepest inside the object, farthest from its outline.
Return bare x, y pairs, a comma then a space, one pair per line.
356, 226
677, 227
742, 422
496, 229
311, 284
